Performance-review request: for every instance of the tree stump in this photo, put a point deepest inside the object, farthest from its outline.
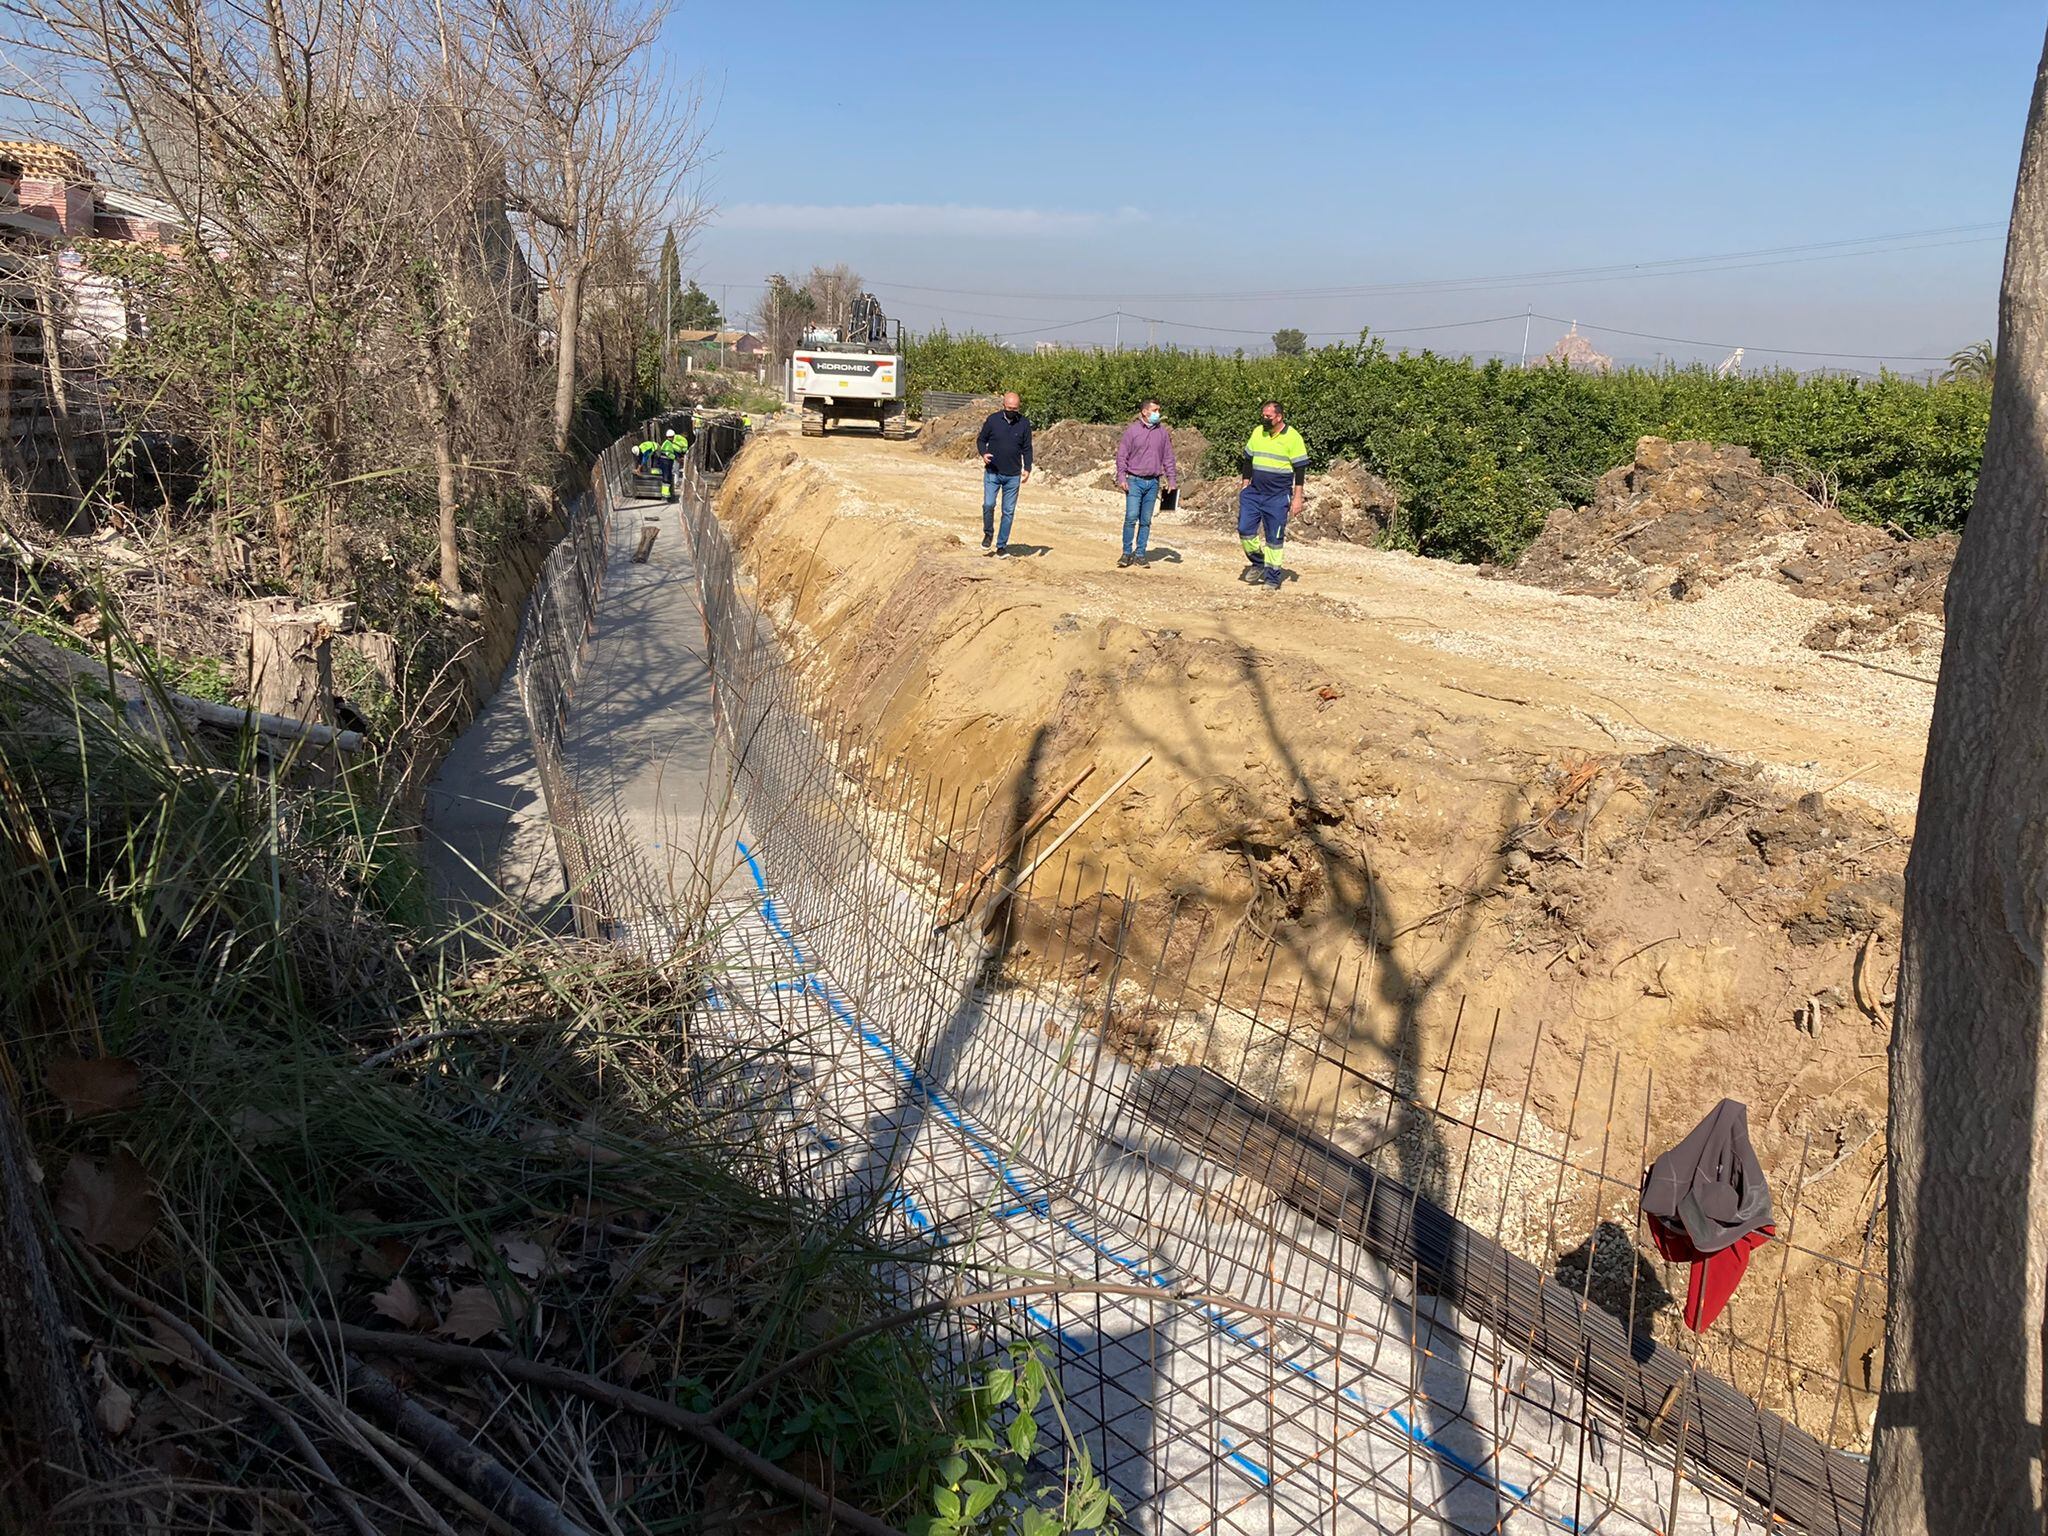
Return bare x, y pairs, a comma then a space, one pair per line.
291, 670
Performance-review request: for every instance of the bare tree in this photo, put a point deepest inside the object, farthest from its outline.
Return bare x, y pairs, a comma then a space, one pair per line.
1960, 1422
787, 311
262, 125
353, 302
593, 134
832, 290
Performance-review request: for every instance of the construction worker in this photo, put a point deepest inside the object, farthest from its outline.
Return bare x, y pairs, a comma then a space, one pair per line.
1271, 470
672, 446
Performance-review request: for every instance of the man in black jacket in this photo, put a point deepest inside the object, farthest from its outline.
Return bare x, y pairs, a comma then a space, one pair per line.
1004, 444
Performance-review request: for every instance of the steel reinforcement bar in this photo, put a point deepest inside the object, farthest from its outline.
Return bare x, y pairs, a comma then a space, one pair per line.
1659, 1391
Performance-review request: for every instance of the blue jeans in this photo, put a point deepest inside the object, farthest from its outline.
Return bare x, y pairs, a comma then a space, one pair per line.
1141, 495
991, 482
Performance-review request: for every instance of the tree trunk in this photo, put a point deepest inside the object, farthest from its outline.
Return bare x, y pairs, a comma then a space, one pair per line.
47, 1399
568, 322
444, 492
431, 387
1959, 1423
283, 523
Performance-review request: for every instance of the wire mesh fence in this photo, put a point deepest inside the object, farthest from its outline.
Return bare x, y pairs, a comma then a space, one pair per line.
608, 879
1295, 1276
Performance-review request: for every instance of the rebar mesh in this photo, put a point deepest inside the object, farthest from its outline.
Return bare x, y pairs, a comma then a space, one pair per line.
1306, 1286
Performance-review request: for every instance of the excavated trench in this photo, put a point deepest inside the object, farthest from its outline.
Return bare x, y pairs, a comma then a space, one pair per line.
1593, 864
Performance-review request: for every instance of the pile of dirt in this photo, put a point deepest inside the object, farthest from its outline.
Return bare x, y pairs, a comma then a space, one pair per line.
952, 435
1349, 502
1684, 517
1069, 449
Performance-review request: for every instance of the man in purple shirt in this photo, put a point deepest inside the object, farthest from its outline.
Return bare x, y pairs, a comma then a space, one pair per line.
1144, 456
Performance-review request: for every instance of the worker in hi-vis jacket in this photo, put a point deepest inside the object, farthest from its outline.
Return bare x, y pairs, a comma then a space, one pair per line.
1272, 468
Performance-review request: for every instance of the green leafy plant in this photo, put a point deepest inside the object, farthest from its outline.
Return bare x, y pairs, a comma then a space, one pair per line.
985, 1484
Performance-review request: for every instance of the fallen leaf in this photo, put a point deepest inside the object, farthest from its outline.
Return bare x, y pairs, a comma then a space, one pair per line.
109, 1205
173, 1343
114, 1407
97, 1087
714, 1309
633, 1365
474, 1312
585, 1146
399, 1302
524, 1257
158, 1412
262, 1128
173, 1458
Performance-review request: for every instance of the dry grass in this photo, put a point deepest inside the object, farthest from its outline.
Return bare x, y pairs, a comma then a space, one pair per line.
261, 1091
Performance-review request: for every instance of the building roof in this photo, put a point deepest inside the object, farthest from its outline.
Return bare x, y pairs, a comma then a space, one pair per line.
39, 157
127, 204
730, 338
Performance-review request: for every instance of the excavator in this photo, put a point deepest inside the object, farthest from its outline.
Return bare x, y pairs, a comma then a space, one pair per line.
852, 372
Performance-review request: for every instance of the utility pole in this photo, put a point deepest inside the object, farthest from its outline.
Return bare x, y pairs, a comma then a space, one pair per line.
1527, 315
1119, 330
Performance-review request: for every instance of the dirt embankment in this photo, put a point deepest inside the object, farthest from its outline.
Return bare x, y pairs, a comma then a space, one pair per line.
1664, 832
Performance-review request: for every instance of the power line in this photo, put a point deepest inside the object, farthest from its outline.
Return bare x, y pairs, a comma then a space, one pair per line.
1397, 330
1822, 250
1108, 314
1729, 346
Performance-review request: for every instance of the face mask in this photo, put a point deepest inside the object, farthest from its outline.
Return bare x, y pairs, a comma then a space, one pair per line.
1152, 417
1011, 415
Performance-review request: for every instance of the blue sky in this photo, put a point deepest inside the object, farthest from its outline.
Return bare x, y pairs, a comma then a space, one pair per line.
1200, 165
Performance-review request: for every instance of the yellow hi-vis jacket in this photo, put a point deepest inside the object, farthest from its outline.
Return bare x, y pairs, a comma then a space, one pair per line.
1273, 458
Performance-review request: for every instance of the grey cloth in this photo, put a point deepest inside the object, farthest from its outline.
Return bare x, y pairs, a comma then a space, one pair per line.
1711, 1183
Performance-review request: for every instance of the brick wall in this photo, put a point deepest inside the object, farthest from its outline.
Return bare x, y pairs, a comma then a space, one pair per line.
69, 203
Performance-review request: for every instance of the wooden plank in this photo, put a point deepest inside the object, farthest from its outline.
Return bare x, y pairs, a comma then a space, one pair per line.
961, 899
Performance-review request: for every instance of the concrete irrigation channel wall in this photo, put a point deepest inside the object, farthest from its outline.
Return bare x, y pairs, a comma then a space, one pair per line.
1264, 1331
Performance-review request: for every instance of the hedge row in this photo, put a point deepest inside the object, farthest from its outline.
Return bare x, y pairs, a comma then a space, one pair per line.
1480, 452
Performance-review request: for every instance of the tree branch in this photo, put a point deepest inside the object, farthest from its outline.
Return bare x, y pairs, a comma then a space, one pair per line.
518, 1368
